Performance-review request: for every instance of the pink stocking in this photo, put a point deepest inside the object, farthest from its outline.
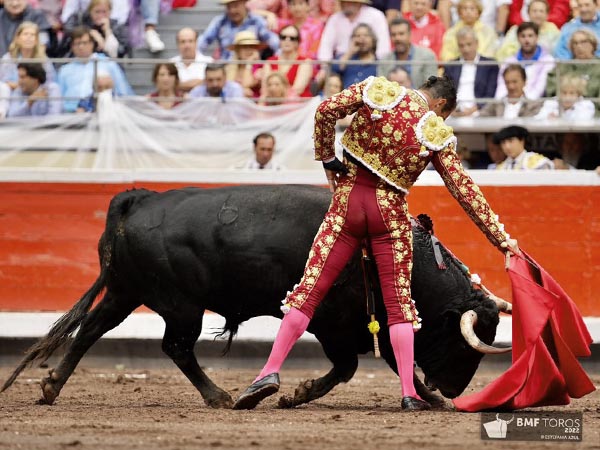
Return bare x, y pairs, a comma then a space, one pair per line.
402, 339
292, 326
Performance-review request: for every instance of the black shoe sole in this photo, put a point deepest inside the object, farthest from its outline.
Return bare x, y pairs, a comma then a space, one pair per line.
251, 400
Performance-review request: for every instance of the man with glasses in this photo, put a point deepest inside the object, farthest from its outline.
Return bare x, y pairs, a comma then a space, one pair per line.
589, 19
76, 79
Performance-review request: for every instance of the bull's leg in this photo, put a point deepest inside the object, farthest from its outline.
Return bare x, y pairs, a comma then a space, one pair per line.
345, 364
181, 334
109, 313
436, 401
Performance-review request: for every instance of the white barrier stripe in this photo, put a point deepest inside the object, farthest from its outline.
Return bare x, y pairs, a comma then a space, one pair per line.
317, 176
151, 326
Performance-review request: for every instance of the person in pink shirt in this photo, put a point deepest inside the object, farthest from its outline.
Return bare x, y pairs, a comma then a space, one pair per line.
338, 29
427, 29
310, 27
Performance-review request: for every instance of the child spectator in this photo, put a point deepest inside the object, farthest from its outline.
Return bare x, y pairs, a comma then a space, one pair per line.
570, 104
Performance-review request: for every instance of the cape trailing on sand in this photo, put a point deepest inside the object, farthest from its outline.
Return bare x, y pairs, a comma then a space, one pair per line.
548, 334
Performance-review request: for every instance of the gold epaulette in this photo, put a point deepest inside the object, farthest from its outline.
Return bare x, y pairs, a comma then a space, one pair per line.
433, 133
381, 94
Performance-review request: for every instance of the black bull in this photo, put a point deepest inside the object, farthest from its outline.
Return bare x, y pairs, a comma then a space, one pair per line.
236, 251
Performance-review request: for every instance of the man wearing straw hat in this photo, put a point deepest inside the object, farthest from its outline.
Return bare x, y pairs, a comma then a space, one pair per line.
224, 27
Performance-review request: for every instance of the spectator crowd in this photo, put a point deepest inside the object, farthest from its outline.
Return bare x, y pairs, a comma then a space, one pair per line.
508, 58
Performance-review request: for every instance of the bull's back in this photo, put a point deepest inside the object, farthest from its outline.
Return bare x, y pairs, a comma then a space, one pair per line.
222, 243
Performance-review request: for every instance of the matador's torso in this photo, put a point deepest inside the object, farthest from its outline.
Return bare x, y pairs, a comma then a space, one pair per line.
394, 135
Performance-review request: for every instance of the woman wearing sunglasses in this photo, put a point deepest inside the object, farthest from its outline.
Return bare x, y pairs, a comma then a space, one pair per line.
288, 61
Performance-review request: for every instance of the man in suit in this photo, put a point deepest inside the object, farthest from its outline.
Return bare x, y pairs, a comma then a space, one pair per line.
515, 104
473, 80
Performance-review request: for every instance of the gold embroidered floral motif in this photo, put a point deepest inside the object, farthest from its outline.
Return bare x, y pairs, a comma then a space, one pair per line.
435, 132
383, 92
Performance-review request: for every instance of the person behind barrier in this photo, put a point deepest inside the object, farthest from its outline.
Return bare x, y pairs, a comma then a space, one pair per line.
512, 142
264, 149
419, 62
217, 85
76, 79
190, 63
515, 103
34, 96
396, 132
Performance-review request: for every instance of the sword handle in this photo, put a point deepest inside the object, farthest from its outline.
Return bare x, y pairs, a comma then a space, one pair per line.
376, 346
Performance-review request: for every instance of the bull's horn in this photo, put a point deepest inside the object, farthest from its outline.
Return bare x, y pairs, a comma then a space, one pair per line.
467, 328
503, 305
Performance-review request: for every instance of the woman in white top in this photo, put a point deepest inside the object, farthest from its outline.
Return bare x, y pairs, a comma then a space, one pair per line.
570, 104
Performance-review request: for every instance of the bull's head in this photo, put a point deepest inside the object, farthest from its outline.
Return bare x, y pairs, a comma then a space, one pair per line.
449, 348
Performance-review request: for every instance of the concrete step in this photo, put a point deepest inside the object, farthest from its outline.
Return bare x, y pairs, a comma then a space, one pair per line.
190, 17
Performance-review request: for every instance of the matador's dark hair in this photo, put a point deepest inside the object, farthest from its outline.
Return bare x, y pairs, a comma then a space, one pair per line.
441, 87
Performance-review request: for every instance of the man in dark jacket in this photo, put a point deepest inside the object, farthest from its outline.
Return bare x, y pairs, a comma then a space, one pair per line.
473, 80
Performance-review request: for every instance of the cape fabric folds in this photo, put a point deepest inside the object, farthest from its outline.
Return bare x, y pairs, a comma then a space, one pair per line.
548, 334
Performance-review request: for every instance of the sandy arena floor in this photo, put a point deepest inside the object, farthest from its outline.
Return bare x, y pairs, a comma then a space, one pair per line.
117, 408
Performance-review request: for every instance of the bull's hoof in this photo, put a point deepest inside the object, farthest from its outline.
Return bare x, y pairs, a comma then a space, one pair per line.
414, 404
302, 395
286, 402
49, 390
223, 401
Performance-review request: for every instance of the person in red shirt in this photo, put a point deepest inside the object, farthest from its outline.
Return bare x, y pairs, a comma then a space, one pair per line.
427, 29
298, 74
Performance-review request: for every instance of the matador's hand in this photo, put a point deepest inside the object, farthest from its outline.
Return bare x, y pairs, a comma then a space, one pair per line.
332, 170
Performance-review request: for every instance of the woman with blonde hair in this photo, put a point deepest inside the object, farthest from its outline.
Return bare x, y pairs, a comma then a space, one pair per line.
109, 37
570, 103
277, 90
469, 12
25, 44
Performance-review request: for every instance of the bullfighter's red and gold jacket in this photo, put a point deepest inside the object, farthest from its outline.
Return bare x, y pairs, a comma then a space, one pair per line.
394, 134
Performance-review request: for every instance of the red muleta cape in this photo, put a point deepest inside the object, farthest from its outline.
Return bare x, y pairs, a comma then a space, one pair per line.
548, 334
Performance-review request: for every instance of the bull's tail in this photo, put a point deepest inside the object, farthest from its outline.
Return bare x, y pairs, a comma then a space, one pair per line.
70, 321
60, 332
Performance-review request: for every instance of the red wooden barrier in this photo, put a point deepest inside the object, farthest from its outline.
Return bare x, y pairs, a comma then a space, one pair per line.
49, 233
